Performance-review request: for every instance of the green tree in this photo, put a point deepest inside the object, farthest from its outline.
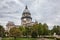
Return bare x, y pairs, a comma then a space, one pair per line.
15, 32
34, 30
2, 31
27, 31
40, 29
34, 34
45, 29
22, 29
56, 29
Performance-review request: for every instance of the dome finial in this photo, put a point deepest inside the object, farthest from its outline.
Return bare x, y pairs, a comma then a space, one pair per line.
26, 7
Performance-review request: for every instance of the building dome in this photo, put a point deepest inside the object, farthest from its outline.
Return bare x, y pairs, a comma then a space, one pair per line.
26, 11
26, 14
26, 18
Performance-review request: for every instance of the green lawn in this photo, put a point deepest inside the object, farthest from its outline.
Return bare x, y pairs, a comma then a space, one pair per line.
19, 39
11, 38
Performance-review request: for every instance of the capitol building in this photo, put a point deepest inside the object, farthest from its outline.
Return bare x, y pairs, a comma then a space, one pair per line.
26, 20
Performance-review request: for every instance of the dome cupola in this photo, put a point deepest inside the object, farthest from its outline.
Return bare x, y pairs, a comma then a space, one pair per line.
26, 11
26, 18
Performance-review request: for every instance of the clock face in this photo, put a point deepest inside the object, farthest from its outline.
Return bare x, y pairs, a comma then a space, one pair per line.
25, 19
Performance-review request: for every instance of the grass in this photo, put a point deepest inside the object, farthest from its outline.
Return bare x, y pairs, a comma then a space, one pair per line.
11, 38
8, 38
19, 39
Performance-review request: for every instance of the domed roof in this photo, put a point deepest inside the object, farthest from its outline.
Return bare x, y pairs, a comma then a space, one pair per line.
26, 11
26, 14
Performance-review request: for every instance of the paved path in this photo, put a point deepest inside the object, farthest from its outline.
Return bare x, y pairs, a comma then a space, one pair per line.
0, 38
44, 39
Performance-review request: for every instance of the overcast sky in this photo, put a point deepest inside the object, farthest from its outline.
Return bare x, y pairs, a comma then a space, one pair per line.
44, 11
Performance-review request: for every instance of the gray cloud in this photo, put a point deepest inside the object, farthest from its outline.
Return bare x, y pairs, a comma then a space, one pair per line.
45, 11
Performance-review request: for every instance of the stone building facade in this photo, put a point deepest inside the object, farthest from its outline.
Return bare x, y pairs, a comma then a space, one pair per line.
10, 25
